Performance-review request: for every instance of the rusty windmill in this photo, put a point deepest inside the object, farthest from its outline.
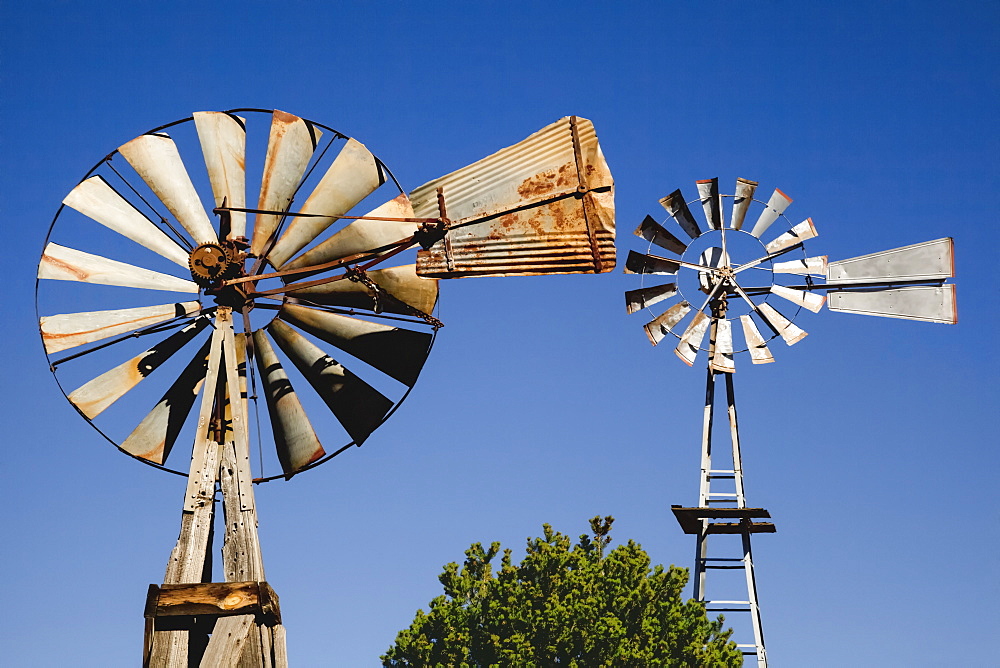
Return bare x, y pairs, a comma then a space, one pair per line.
292, 275
724, 278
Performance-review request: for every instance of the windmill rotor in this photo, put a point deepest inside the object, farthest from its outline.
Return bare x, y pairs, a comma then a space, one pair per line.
764, 280
136, 225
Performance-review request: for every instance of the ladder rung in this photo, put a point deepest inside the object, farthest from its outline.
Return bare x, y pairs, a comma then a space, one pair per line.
717, 568
721, 477
723, 495
728, 602
721, 559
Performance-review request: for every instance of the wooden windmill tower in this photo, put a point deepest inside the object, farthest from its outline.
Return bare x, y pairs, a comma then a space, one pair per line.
730, 277
295, 274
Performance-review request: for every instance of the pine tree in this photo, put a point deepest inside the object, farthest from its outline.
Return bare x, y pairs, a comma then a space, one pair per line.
563, 605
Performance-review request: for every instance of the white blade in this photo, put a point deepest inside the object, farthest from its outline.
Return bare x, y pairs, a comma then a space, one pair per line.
741, 201
788, 331
929, 303
93, 397
722, 351
653, 232
640, 263
402, 284
815, 266
156, 160
662, 325
711, 202
775, 207
676, 206
759, 353
353, 176
154, 437
294, 436
801, 232
60, 263
223, 142
290, 146
809, 300
930, 260
636, 300
362, 236
690, 343
68, 330
97, 200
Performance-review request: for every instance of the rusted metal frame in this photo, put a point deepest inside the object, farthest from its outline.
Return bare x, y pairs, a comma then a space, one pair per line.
583, 188
344, 311
290, 287
180, 239
704, 482
222, 209
397, 246
449, 259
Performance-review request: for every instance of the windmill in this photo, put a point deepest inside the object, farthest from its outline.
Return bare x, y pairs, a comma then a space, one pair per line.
295, 275
724, 274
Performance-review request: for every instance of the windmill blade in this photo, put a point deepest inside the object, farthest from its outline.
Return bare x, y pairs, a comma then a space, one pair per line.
775, 207
690, 343
294, 436
223, 140
398, 353
352, 176
745, 189
93, 397
68, 330
154, 437
815, 266
155, 158
678, 209
782, 325
759, 353
930, 260
801, 232
653, 232
636, 300
60, 263
711, 202
100, 202
722, 349
657, 329
362, 236
929, 303
290, 147
358, 406
809, 300
542, 206
401, 283
639, 263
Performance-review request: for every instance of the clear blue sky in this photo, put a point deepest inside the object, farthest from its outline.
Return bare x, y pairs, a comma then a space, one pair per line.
873, 442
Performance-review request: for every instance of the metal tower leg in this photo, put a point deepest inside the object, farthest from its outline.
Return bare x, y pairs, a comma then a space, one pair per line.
715, 505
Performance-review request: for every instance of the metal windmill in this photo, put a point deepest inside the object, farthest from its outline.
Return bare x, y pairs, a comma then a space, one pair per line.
289, 278
730, 274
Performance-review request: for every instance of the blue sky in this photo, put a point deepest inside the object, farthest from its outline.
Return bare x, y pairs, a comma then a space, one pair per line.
872, 442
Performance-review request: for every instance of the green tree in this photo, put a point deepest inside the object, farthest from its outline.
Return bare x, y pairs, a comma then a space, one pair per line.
563, 605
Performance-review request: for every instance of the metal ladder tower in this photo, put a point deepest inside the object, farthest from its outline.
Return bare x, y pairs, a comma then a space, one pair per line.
724, 512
